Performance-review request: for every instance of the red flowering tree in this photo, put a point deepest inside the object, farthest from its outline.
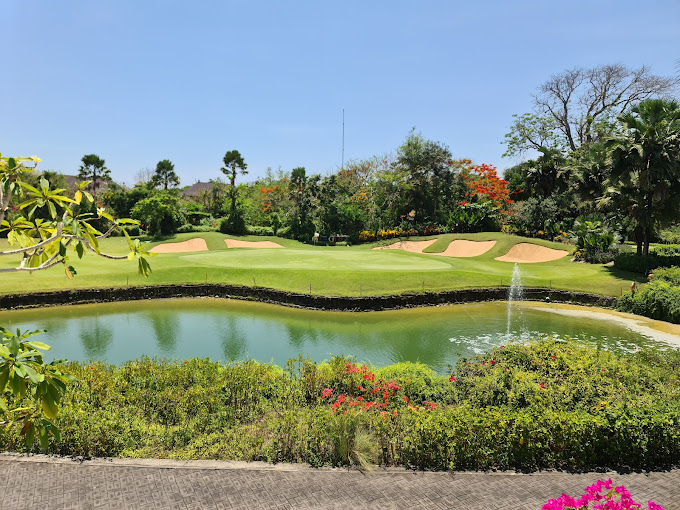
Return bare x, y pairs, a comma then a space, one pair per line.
484, 185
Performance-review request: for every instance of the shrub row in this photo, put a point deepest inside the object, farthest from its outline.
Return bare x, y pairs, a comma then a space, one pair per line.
631, 262
657, 300
548, 404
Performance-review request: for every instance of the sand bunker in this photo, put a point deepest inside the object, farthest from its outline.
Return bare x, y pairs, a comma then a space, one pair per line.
527, 252
463, 248
235, 243
191, 245
412, 246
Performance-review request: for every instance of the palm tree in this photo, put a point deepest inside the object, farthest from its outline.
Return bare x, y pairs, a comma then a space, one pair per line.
233, 161
94, 169
165, 174
645, 159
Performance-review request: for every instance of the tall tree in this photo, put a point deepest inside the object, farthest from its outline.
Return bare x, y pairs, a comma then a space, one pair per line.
233, 164
165, 175
580, 106
428, 166
646, 159
93, 169
299, 191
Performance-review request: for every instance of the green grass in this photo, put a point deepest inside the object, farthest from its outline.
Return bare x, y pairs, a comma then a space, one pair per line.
330, 270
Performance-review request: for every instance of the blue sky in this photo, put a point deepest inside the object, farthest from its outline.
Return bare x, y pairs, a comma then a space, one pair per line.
140, 81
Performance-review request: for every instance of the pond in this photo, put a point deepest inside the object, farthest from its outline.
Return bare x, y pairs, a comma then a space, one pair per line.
226, 330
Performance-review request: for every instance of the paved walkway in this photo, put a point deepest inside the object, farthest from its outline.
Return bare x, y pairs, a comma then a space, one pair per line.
41, 482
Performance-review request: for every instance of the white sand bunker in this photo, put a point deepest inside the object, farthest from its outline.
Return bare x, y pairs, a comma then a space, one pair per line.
527, 252
463, 248
235, 243
412, 246
192, 245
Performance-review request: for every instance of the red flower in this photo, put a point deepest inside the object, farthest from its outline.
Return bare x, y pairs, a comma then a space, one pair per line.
542, 385
452, 379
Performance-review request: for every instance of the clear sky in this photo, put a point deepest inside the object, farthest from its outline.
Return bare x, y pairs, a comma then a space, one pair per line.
137, 81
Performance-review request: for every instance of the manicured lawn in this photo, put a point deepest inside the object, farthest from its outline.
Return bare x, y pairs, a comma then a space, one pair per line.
330, 270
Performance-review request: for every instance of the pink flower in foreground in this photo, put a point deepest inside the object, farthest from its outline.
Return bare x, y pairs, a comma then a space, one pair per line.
327, 392
452, 379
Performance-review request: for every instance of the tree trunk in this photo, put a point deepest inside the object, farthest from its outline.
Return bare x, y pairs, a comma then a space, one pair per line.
648, 226
232, 178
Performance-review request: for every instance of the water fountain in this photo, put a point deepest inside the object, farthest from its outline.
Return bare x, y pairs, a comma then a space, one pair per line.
514, 294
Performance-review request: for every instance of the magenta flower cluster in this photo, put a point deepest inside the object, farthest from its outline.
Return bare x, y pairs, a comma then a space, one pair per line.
615, 498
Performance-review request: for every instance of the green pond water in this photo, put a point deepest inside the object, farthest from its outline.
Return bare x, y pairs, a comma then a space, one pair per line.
229, 330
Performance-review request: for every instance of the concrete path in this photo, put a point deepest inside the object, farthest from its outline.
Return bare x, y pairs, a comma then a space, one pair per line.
41, 482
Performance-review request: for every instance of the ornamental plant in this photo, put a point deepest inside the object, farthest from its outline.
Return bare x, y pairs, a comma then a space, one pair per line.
616, 498
44, 231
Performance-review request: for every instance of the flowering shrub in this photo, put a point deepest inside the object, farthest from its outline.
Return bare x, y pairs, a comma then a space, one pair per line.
616, 498
368, 236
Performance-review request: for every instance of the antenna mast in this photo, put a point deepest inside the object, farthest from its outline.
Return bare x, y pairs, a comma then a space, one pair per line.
343, 140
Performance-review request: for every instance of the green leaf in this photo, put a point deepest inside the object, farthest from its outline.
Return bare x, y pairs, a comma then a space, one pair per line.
56, 433
14, 345
39, 345
32, 374
17, 385
4, 376
19, 369
80, 249
42, 435
62, 250
144, 267
30, 434
49, 407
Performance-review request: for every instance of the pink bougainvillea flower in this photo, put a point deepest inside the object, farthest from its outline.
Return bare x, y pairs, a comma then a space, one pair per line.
452, 379
327, 392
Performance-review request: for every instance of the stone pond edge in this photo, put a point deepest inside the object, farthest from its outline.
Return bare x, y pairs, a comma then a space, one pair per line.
296, 300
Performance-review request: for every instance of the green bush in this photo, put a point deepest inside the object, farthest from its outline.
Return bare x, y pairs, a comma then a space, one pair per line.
670, 235
657, 300
254, 230
670, 250
667, 274
132, 230
547, 404
188, 227
631, 262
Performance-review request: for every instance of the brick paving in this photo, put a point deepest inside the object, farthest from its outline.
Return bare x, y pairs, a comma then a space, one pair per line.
41, 482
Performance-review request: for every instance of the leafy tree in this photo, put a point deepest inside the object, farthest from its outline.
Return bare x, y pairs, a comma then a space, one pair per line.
121, 201
300, 193
428, 165
56, 179
160, 214
579, 106
548, 174
165, 175
645, 165
30, 389
93, 168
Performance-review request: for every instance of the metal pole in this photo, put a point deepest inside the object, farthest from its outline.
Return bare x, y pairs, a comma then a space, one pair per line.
342, 166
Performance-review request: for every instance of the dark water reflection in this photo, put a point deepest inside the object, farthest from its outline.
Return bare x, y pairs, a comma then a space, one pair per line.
233, 330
